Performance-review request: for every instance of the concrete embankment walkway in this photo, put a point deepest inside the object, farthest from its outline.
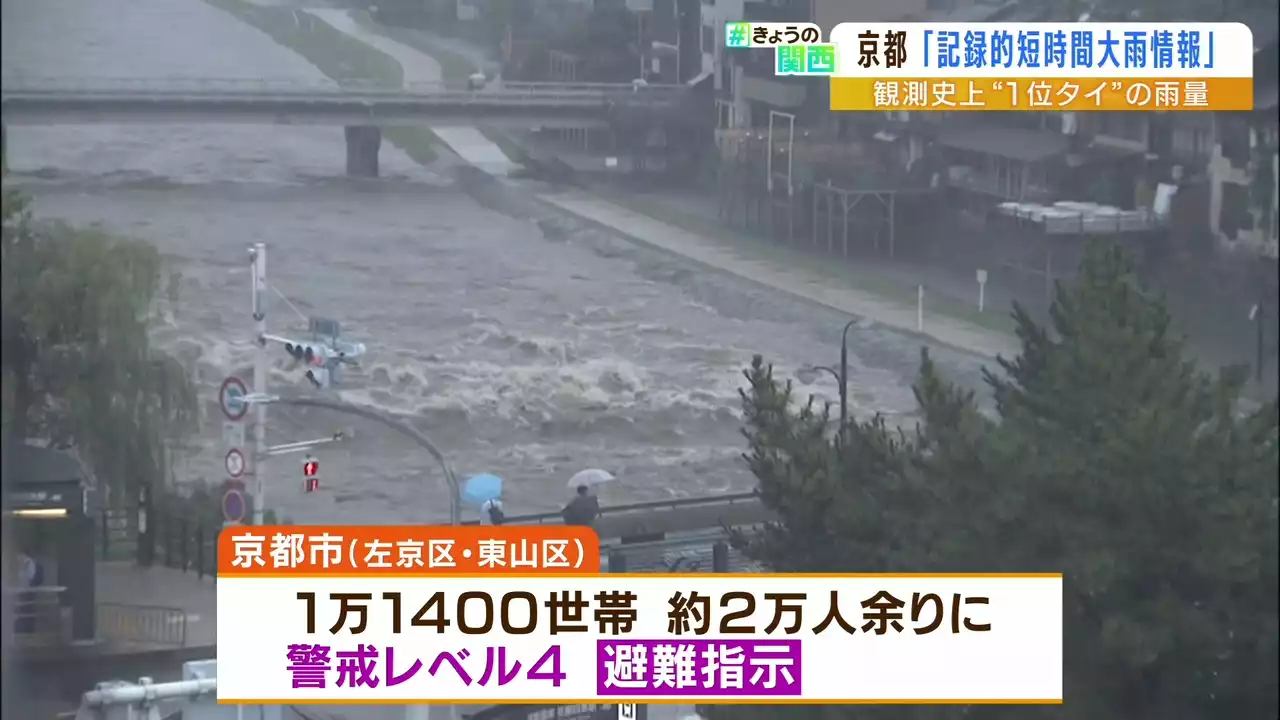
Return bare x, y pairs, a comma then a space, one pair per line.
422, 69
795, 281
419, 69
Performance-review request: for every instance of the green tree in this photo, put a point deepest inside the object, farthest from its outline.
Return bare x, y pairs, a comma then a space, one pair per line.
78, 367
1109, 458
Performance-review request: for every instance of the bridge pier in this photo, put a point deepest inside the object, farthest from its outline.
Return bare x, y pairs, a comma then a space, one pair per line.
363, 143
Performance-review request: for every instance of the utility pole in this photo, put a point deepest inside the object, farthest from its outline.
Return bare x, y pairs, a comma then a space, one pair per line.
259, 255
259, 398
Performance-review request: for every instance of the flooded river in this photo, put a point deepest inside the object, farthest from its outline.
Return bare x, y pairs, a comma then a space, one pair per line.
525, 353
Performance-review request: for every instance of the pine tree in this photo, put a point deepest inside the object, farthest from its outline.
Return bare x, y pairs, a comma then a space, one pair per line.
1155, 497
1112, 459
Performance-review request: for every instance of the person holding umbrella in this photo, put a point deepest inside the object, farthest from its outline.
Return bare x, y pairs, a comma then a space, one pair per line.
485, 492
491, 512
584, 507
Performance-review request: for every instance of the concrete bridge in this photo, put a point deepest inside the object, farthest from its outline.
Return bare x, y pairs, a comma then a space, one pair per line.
362, 110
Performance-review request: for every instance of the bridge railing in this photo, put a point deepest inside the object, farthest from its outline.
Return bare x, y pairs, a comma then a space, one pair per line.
555, 518
58, 85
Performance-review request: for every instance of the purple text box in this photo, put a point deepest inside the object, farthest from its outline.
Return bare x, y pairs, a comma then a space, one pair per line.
698, 667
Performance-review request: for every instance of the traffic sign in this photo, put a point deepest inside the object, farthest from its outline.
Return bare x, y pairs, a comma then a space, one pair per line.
234, 463
233, 505
231, 398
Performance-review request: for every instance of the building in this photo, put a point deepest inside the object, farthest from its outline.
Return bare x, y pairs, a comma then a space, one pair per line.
674, 39
716, 58
50, 503
1243, 169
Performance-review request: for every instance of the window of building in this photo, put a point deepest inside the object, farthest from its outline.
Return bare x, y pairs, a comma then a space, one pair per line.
1192, 143
1124, 125
708, 39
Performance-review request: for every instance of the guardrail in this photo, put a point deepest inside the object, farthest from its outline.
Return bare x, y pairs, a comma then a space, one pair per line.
555, 518
148, 625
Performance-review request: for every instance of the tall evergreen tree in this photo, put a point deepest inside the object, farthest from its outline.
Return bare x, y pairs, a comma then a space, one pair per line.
1112, 459
1157, 499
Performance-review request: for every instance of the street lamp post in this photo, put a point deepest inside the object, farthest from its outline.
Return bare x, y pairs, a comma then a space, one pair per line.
844, 373
844, 402
841, 375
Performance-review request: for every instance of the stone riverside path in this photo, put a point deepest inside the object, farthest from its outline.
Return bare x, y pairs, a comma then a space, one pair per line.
791, 280
420, 69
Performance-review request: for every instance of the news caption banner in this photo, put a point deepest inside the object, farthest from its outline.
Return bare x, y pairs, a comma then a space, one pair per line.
1072, 67
522, 615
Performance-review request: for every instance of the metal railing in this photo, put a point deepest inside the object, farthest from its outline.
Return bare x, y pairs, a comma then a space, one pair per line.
686, 553
141, 700
38, 616
142, 625
555, 518
115, 87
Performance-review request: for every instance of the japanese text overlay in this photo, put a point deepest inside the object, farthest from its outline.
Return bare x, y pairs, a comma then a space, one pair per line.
1075, 67
490, 636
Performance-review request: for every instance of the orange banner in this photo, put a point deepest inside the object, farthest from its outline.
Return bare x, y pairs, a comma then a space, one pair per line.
298, 550
1041, 94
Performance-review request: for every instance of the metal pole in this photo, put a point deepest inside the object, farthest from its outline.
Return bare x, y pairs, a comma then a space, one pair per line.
1259, 351
679, 79
451, 479
640, 43
260, 380
844, 373
791, 146
791, 206
920, 308
769, 161
146, 690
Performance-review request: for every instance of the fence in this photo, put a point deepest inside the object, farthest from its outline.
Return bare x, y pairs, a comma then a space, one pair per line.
165, 536
142, 625
38, 616
696, 552
556, 518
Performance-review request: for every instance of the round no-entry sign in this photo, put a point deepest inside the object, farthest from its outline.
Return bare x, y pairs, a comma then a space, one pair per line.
233, 505
231, 398
234, 463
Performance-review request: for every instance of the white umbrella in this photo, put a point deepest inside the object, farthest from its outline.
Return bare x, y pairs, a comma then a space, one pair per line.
590, 478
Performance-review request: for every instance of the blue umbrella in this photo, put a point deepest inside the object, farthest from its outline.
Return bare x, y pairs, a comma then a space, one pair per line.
480, 489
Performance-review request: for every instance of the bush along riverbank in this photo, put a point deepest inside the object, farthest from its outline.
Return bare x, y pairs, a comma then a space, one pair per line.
342, 58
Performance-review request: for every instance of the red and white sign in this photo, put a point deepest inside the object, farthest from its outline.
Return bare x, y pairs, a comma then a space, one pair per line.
234, 463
